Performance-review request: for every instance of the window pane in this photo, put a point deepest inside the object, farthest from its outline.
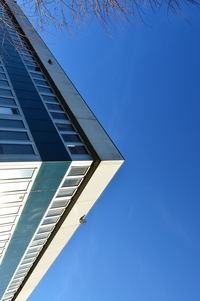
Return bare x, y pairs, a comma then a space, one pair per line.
71, 138
28, 260
11, 123
65, 192
41, 236
76, 149
6, 135
16, 173
2, 244
5, 92
11, 111
57, 204
4, 237
45, 229
50, 98
59, 115
31, 256
50, 220
9, 210
4, 83
54, 107
65, 127
7, 101
14, 186
55, 212
5, 228
38, 242
71, 182
2, 75
14, 149
7, 220
33, 250
78, 171
32, 68
41, 82
1, 69
11, 198
37, 75
45, 90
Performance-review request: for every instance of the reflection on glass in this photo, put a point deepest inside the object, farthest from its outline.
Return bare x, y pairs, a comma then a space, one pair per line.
7, 220
14, 186
10, 111
57, 204
78, 171
45, 229
5, 228
71, 182
55, 212
65, 192
50, 220
6, 174
11, 198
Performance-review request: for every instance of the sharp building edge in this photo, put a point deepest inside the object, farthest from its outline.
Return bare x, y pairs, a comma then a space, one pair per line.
55, 157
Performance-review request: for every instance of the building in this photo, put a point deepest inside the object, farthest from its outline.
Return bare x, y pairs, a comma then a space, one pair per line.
55, 158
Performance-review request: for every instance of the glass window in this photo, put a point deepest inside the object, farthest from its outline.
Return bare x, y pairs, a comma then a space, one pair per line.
37, 75
14, 186
10, 111
41, 82
4, 83
55, 212
50, 220
25, 266
65, 192
30, 63
2, 244
2, 76
72, 182
9, 210
16, 149
33, 250
65, 127
50, 98
71, 138
5, 92
38, 242
77, 149
57, 204
54, 107
78, 170
45, 90
6, 135
11, 198
32, 68
30, 256
28, 260
1, 69
4, 237
16, 173
7, 220
41, 236
5, 228
7, 101
59, 115
9, 123
45, 229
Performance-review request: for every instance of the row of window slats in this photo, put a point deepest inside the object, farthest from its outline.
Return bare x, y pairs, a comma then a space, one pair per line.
67, 131
52, 216
14, 137
14, 184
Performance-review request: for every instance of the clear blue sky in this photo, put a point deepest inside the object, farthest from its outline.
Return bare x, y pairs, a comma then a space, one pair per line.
141, 242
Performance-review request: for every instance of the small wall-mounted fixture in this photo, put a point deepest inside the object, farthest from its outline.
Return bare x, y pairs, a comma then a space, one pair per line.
50, 62
82, 220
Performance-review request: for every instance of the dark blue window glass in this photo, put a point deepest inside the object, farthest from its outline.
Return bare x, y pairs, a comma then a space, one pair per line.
14, 149
11, 123
6, 135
